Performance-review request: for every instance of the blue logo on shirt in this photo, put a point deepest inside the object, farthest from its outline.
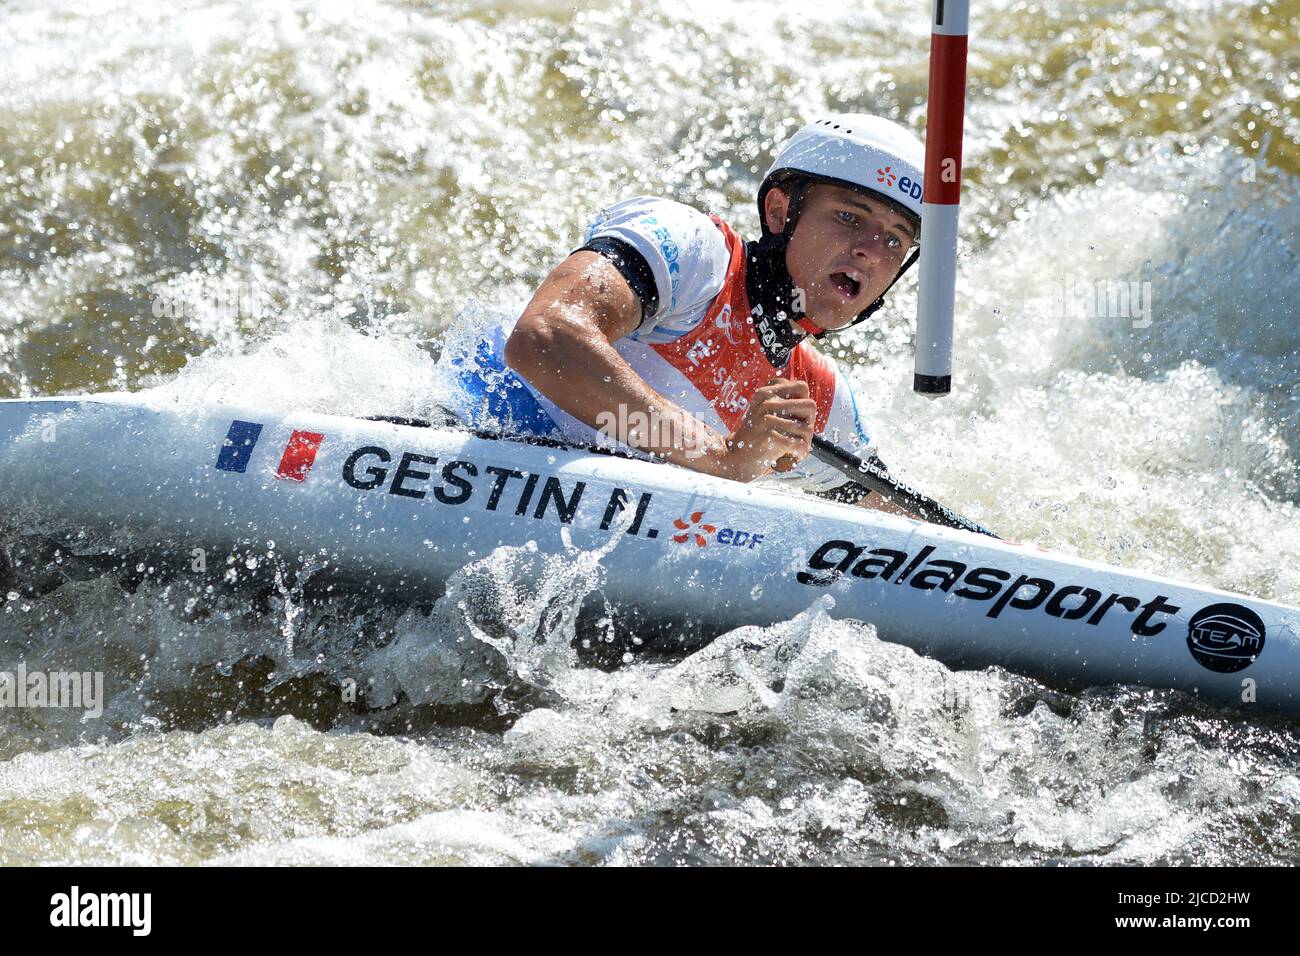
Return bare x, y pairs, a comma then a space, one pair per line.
668, 249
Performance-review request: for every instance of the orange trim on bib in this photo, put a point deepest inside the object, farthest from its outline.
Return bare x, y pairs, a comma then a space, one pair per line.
724, 360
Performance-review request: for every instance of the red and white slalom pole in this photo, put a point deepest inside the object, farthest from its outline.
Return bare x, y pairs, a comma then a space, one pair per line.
941, 201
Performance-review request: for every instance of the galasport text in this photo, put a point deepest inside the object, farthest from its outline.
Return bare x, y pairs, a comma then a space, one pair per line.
836, 558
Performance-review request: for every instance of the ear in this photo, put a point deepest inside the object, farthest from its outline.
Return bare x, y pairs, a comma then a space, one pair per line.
775, 205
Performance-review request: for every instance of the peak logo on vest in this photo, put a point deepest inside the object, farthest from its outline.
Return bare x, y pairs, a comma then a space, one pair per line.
777, 347
296, 461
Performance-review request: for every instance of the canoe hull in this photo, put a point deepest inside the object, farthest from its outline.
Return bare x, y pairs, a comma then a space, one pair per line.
398, 506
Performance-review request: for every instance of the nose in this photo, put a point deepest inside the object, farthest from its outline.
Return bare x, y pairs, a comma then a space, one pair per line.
870, 243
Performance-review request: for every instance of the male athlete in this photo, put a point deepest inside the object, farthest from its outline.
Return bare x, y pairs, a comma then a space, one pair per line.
666, 319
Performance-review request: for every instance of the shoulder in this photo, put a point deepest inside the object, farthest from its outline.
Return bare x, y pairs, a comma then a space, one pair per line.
686, 251
654, 215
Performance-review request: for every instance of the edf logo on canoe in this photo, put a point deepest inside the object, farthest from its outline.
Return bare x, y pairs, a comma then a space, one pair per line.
698, 532
299, 453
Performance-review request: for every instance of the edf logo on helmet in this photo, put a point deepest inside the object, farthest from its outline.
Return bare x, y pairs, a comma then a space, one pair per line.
905, 183
855, 150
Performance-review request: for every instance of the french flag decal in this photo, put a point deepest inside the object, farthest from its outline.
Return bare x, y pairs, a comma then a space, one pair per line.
238, 446
299, 454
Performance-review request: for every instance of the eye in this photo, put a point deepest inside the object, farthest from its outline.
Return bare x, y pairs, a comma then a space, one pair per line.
846, 217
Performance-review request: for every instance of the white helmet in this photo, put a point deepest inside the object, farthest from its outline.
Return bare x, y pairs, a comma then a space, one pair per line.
857, 151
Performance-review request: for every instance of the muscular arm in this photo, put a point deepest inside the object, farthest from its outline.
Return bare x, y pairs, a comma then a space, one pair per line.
563, 345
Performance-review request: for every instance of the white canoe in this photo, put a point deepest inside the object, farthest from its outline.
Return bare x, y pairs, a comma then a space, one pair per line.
403, 506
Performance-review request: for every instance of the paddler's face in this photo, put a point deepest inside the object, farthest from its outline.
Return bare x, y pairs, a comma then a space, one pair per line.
846, 249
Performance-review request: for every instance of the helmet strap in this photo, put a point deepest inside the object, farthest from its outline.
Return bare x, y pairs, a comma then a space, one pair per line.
771, 297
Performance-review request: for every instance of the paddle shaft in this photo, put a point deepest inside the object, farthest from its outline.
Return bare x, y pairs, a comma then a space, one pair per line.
876, 479
869, 476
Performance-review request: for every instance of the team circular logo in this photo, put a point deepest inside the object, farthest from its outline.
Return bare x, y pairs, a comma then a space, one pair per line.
1225, 637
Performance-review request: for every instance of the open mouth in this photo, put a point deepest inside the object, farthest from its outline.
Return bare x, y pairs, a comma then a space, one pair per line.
846, 284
